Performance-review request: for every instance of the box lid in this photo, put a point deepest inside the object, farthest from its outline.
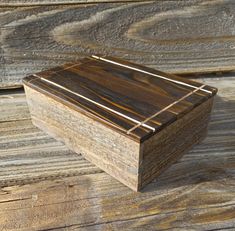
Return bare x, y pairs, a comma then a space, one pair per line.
134, 100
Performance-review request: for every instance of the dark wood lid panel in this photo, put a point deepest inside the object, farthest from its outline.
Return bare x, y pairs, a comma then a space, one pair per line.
119, 94
100, 94
157, 92
91, 110
157, 72
150, 90
145, 82
153, 93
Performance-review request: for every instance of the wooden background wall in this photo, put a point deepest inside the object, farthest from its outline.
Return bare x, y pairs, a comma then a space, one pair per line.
175, 36
45, 186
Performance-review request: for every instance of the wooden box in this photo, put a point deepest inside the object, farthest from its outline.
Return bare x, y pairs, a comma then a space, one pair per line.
129, 120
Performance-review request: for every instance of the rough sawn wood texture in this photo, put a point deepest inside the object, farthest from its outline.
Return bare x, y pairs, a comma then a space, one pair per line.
54, 2
46, 186
173, 36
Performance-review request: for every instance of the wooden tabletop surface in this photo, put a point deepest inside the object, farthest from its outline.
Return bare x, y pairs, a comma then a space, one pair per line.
44, 186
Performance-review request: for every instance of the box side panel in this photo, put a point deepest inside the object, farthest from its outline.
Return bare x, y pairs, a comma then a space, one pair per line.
109, 150
163, 149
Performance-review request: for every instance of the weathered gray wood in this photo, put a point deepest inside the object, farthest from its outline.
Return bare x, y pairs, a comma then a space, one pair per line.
196, 193
174, 36
28, 154
11, 3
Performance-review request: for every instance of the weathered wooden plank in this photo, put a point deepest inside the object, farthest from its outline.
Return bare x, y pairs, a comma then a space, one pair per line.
196, 193
11, 3
174, 36
28, 154
88, 203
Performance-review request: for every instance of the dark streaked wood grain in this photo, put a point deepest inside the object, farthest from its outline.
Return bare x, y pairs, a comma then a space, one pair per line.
88, 104
119, 96
174, 36
195, 193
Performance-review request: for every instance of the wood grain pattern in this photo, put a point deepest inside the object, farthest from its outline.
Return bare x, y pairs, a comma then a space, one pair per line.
22, 3
121, 97
164, 149
28, 154
131, 122
199, 199
134, 164
167, 35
